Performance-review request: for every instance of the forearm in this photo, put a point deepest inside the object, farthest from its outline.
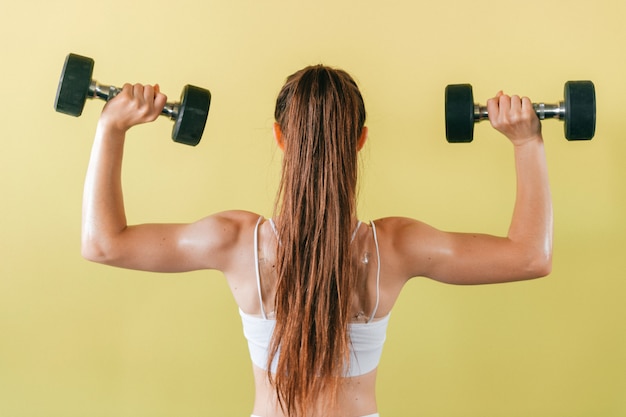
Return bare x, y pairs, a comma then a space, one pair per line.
103, 216
532, 222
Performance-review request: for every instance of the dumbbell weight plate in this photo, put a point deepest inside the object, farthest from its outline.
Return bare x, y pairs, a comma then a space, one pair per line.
74, 85
192, 115
459, 113
580, 110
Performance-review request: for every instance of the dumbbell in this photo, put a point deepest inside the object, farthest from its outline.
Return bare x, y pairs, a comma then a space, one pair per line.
577, 110
76, 86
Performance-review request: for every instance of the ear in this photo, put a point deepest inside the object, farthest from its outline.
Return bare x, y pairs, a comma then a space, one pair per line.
278, 136
362, 139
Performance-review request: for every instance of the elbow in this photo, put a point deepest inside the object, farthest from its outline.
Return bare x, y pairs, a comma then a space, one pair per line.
539, 264
93, 252
542, 268
97, 250
533, 258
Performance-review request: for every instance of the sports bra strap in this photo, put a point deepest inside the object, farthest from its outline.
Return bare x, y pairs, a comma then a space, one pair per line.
377, 272
256, 264
274, 227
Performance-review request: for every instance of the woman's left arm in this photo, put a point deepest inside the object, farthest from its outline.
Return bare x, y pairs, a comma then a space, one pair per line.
474, 258
106, 236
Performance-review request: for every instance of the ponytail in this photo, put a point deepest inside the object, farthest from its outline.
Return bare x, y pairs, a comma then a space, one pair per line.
321, 115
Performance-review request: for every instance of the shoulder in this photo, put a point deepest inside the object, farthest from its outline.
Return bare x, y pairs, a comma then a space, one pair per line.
401, 230
225, 235
228, 226
402, 233
231, 220
407, 245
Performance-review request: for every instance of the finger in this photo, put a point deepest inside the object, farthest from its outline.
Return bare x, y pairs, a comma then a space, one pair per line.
160, 100
516, 104
154, 96
148, 93
138, 91
527, 105
504, 103
493, 109
126, 89
528, 109
496, 98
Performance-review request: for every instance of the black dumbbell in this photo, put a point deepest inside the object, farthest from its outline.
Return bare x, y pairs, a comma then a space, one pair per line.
577, 110
76, 86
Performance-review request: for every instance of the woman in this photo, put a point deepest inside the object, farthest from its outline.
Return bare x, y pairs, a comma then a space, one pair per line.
314, 285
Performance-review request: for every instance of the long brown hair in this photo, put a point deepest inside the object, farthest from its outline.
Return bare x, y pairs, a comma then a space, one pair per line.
321, 115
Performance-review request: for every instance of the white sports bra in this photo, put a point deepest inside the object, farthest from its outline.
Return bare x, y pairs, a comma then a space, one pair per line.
367, 339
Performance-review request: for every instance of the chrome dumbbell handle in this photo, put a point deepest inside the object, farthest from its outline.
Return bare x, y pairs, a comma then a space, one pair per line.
107, 92
543, 111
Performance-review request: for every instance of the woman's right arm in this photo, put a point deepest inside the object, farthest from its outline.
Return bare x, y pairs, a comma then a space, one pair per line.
107, 238
472, 258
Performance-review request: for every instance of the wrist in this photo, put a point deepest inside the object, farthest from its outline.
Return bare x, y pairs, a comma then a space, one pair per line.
108, 129
530, 141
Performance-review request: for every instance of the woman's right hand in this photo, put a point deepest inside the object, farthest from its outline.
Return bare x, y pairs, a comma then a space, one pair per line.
135, 104
515, 117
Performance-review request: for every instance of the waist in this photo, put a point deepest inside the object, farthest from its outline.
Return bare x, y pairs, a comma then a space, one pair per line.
369, 415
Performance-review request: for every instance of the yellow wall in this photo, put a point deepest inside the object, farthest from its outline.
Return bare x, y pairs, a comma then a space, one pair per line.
80, 339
